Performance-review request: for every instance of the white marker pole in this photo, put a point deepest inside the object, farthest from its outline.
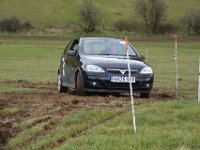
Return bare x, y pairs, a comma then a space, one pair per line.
176, 61
131, 88
147, 55
199, 83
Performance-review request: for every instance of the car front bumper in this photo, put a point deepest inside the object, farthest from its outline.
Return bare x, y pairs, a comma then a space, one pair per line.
102, 83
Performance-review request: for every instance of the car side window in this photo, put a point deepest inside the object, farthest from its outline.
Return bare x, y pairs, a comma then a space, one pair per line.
72, 46
68, 47
75, 45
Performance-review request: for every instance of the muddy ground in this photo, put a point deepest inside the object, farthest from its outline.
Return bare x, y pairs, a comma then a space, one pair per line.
45, 101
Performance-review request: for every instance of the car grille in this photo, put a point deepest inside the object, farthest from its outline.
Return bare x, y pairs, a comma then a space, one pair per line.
121, 71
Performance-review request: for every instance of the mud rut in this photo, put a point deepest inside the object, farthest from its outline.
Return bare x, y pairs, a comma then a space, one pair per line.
50, 106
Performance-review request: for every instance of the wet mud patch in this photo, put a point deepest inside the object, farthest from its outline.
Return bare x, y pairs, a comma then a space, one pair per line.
30, 84
47, 105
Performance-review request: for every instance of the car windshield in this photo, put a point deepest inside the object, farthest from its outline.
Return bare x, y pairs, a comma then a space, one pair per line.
106, 47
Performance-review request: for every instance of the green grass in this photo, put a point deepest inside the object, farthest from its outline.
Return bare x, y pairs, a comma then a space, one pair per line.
54, 12
161, 125
71, 125
164, 125
10, 89
160, 57
26, 134
38, 60
9, 111
30, 61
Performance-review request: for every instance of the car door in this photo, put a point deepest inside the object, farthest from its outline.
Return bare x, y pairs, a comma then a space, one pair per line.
63, 63
70, 64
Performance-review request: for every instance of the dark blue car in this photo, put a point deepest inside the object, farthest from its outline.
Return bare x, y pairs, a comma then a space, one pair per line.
100, 65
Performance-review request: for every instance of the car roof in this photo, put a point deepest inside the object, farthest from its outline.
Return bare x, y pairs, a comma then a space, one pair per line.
101, 38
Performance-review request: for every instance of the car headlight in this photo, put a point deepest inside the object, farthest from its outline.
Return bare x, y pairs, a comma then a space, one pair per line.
93, 68
146, 70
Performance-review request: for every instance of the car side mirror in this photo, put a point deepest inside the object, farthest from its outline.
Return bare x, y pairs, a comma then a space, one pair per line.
142, 56
72, 53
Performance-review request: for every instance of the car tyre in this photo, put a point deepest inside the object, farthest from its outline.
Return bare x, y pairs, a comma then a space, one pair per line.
144, 95
79, 85
60, 87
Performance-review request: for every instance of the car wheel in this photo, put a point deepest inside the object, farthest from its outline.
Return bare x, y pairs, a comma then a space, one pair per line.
60, 87
144, 95
79, 85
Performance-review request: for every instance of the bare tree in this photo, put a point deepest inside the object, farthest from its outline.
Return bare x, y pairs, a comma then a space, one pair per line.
192, 20
151, 11
90, 17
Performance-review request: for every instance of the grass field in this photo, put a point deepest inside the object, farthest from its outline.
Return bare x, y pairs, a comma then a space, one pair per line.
30, 60
38, 60
34, 116
157, 129
163, 125
58, 12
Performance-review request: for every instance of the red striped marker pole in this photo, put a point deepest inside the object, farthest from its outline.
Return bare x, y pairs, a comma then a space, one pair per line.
130, 84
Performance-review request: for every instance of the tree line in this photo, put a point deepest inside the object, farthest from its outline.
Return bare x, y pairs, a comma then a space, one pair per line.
151, 12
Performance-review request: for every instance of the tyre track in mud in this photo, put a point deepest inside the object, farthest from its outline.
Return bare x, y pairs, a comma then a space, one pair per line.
45, 99
40, 103
84, 131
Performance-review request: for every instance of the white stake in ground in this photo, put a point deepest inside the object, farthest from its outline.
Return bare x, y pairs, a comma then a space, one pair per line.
176, 63
147, 53
199, 84
130, 84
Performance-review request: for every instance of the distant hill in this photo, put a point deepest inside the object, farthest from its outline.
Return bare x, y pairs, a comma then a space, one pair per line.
58, 12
